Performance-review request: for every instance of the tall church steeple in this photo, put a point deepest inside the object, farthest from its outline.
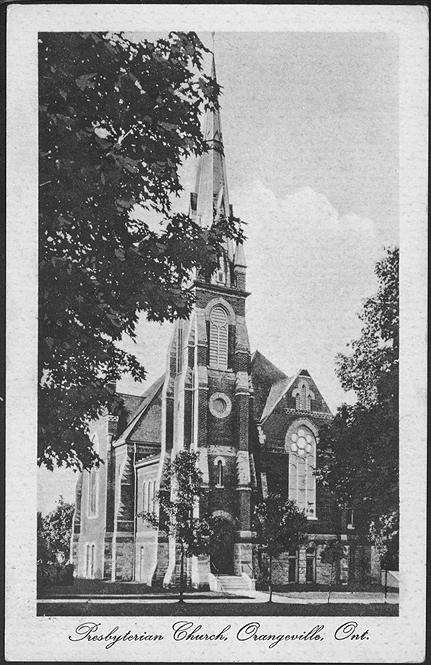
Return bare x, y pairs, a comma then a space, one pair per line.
211, 196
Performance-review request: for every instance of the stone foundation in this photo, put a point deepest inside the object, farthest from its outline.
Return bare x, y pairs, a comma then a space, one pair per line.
146, 557
199, 571
243, 559
357, 566
108, 557
123, 558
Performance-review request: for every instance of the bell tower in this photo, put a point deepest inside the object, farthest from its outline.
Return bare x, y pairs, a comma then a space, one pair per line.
208, 388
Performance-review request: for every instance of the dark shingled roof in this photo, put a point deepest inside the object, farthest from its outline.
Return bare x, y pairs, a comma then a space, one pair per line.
266, 378
131, 405
142, 403
275, 394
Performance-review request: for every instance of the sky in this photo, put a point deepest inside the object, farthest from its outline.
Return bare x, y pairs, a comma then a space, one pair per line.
310, 128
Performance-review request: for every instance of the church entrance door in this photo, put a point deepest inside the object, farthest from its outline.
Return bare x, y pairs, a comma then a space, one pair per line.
222, 550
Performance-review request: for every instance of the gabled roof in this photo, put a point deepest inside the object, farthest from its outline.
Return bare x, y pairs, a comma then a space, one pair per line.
270, 384
275, 394
131, 405
278, 390
261, 367
264, 375
146, 400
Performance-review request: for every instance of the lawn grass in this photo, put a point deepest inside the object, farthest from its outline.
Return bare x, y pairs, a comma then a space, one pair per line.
105, 587
215, 609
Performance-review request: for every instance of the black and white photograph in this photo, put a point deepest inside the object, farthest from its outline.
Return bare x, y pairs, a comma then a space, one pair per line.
216, 321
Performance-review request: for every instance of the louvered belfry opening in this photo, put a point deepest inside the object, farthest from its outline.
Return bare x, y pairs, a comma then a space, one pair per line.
218, 338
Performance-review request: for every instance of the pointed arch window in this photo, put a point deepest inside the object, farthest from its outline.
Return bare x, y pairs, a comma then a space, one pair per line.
93, 482
141, 564
179, 348
150, 485
219, 464
89, 563
144, 497
92, 493
310, 565
220, 473
304, 397
301, 446
218, 343
153, 498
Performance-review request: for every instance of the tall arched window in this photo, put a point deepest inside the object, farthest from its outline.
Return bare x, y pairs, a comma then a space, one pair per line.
92, 482
297, 402
310, 565
218, 338
179, 348
153, 497
92, 493
150, 484
89, 563
93, 552
301, 446
141, 564
144, 498
220, 473
304, 396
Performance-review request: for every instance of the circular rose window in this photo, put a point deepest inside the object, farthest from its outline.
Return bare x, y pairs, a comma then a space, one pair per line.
301, 441
220, 405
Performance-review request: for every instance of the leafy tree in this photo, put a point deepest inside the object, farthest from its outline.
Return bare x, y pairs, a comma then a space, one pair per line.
116, 120
55, 529
178, 508
280, 527
371, 369
358, 451
384, 535
44, 552
333, 553
53, 544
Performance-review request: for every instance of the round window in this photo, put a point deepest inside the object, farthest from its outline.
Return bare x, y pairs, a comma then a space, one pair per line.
301, 442
220, 405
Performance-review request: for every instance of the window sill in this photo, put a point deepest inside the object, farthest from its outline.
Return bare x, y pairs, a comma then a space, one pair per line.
312, 517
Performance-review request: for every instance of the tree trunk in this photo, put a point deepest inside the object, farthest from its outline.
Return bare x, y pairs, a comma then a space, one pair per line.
330, 581
386, 583
270, 579
181, 600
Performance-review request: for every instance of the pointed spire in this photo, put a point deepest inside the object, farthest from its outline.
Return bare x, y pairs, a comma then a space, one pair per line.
212, 197
213, 69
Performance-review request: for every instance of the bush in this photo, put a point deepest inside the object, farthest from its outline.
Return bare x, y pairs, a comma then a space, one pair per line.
54, 573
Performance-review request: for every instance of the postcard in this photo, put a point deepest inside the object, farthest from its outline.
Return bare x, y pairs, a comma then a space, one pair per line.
216, 270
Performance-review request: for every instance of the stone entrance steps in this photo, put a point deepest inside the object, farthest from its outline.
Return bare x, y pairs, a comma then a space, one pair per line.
233, 585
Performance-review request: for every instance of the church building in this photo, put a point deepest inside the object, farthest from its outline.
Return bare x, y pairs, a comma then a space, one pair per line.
255, 427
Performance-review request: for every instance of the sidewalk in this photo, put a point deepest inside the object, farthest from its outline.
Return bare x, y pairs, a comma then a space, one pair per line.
295, 598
